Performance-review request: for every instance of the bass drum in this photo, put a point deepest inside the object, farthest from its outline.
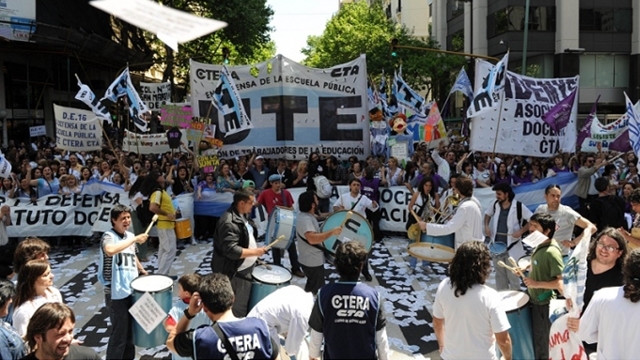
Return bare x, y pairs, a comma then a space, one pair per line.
355, 228
281, 222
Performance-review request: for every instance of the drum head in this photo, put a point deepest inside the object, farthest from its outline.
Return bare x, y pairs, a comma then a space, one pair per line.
282, 221
431, 252
151, 283
513, 300
524, 262
271, 274
355, 228
497, 248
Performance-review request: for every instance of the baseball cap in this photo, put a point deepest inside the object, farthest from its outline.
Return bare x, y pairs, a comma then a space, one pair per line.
259, 157
248, 184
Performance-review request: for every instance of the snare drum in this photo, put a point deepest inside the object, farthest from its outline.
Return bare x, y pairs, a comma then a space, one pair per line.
497, 248
183, 229
282, 221
525, 263
434, 248
355, 228
267, 279
160, 287
516, 305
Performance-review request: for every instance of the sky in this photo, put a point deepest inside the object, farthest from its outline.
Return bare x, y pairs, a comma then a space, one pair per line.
294, 20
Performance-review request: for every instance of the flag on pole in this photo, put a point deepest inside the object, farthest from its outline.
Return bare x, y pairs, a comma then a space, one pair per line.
585, 131
462, 84
382, 90
226, 99
433, 128
372, 94
491, 90
5, 167
634, 125
621, 143
123, 87
89, 98
559, 115
406, 96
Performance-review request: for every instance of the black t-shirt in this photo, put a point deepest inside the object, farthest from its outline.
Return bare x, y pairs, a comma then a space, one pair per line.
76, 352
609, 278
605, 211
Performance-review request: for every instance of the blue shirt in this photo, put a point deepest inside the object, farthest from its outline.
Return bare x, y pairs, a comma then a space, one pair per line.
119, 270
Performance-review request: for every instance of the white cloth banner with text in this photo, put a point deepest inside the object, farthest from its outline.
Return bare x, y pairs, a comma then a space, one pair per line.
154, 95
77, 130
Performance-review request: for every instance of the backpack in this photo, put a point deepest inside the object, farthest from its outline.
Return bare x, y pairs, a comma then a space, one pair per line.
323, 187
144, 214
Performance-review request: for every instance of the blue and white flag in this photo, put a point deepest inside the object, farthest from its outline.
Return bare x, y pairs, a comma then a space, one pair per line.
634, 125
372, 95
491, 91
123, 87
89, 98
5, 167
382, 90
226, 99
463, 84
406, 96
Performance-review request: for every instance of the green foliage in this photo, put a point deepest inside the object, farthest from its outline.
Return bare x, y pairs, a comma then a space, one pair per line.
359, 28
246, 36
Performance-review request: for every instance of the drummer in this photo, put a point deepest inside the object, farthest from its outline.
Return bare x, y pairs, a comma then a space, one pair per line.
118, 266
467, 317
310, 240
277, 195
235, 251
466, 222
355, 201
503, 225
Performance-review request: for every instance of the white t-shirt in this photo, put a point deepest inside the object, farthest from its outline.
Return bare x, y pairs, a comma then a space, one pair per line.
23, 313
470, 321
466, 223
249, 261
612, 321
565, 218
347, 201
286, 310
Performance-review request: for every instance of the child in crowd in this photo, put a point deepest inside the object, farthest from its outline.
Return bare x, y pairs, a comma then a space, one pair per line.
187, 285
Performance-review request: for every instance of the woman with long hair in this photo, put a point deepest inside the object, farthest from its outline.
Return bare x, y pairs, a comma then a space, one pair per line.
34, 288
300, 175
423, 202
357, 172
226, 181
8, 187
47, 184
69, 185
501, 175
182, 184
521, 175
243, 173
85, 175
26, 191
394, 173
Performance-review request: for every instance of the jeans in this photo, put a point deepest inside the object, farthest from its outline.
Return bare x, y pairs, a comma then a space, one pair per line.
166, 250
505, 279
121, 341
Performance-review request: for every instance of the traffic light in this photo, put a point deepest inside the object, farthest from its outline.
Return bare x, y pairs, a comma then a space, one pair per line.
394, 46
225, 55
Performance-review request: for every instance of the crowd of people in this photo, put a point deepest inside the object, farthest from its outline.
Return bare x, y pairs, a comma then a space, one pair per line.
441, 182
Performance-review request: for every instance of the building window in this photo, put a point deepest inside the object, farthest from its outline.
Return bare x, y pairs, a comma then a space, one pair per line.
455, 41
454, 8
511, 18
604, 71
608, 20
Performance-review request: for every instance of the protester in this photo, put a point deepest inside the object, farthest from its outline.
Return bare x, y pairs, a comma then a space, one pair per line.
606, 210
585, 189
423, 203
216, 298
544, 279
119, 266
348, 312
11, 345
50, 335
312, 254
504, 224
235, 250
468, 316
286, 311
160, 204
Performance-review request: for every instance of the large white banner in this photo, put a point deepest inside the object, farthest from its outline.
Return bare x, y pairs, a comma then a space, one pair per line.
294, 109
519, 127
17, 19
77, 130
148, 143
154, 95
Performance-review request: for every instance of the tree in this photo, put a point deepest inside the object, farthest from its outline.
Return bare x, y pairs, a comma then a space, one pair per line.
359, 28
246, 36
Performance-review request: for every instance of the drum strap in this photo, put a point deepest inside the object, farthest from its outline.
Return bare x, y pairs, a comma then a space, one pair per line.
227, 345
356, 203
322, 248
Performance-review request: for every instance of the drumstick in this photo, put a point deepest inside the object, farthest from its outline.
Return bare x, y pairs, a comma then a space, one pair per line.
514, 270
277, 240
264, 263
349, 213
515, 264
153, 221
415, 216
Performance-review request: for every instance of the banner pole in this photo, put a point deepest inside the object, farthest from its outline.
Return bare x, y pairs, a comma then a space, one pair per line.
495, 141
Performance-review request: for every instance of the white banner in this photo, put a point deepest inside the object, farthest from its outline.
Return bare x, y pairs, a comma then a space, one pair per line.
17, 19
39, 130
521, 130
154, 95
294, 109
604, 134
77, 130
148, 143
